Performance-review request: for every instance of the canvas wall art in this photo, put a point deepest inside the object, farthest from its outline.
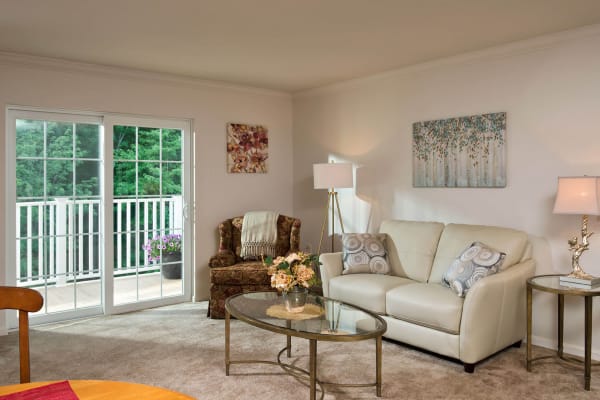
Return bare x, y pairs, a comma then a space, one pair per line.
460, 152
247, 148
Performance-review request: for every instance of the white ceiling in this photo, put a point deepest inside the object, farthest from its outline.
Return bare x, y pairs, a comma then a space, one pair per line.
288, 45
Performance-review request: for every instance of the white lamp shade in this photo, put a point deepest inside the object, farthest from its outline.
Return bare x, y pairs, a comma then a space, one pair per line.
332, 175
577, 195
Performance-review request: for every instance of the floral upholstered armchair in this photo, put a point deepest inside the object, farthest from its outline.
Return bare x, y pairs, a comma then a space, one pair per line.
230, 274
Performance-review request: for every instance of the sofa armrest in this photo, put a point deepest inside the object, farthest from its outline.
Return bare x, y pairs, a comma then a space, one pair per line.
331, 266
494, 312
224, 258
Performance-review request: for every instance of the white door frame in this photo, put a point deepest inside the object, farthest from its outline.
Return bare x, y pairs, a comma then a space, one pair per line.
106, 121
110, 120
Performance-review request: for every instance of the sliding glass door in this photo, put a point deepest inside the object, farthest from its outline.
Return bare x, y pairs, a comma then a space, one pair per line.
149, 211
97, 209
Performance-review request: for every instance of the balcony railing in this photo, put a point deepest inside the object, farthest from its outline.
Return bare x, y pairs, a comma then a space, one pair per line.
60, 241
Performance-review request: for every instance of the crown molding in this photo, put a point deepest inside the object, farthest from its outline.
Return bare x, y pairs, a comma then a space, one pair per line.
55, 64
520, 47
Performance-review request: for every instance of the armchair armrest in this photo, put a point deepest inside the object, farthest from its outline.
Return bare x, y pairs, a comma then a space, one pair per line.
224, 258
493, 315
295, 236
331, 266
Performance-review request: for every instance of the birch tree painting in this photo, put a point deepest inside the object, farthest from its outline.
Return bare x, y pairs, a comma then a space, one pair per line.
460, 152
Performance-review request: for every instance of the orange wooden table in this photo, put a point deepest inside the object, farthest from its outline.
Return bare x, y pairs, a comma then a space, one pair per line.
106, 390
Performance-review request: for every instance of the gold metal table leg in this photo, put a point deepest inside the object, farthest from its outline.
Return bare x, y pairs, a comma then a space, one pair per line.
529, 323
561, 323
588, 341
288, 324
227, 326
313, 368
378, 365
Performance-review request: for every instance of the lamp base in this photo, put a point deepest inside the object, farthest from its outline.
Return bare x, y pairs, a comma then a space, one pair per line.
578, 275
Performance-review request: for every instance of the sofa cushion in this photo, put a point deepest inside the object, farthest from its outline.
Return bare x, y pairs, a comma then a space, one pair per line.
475, 262
411, 247
430, 305
456, 237
364, 253
364, 290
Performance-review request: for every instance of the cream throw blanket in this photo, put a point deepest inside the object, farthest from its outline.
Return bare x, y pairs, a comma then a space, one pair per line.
259, 234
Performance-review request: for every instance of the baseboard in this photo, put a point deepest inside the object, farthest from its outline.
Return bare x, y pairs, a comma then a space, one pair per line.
568, 348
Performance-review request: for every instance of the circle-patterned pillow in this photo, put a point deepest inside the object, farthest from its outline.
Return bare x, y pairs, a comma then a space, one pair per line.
365, 253
475, 263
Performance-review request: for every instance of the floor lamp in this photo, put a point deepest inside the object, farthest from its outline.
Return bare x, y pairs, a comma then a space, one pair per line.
331, 176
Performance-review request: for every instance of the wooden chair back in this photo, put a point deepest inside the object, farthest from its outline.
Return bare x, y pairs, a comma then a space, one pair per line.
25, 300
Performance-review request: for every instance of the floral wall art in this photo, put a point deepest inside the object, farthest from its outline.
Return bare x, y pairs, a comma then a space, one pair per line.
460, 152
247, 148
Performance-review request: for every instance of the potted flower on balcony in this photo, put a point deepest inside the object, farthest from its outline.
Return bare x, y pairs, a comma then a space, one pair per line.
166, 249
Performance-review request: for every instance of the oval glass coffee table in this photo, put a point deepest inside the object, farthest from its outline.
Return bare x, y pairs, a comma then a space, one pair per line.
323, 319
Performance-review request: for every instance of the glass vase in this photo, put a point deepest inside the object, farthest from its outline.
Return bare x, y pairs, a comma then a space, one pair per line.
295, 299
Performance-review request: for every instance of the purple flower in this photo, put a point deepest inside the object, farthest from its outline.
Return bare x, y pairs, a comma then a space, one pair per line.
160, 245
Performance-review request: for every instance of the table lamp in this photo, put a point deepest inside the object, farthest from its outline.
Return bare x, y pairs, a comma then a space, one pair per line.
331, 176
578, 195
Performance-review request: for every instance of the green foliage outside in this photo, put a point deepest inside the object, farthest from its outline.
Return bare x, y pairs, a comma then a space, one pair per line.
71, 156
67, 154
72, 151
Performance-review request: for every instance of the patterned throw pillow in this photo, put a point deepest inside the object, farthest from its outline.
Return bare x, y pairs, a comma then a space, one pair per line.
476, 262
364, 253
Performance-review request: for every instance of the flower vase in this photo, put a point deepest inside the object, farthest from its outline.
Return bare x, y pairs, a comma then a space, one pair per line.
295, 299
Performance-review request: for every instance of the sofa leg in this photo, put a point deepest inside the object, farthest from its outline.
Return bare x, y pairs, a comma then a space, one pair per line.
469, 368
518, 344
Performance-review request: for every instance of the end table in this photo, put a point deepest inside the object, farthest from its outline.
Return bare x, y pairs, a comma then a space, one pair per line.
551, 284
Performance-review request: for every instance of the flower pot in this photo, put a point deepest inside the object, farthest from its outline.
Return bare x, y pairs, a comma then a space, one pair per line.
171, 266
295, 299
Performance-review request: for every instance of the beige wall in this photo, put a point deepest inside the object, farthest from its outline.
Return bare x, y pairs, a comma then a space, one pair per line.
218, 195
549, 88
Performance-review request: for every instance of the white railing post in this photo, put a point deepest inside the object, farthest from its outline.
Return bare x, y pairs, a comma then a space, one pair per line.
29, 244
61, 240
128, 234
52, 240
117, 265
66, 242
18, 248
79, 267
41, 251
177, 222
90, 238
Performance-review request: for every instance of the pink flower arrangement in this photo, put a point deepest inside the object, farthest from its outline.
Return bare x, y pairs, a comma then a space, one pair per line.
294, 270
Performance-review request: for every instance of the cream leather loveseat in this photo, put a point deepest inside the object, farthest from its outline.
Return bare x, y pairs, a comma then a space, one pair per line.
419, 310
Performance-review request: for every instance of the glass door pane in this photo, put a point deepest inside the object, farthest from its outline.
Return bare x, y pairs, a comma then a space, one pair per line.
58, 206
148, 213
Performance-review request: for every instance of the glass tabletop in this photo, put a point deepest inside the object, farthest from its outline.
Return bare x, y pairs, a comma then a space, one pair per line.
552, 283
323, 319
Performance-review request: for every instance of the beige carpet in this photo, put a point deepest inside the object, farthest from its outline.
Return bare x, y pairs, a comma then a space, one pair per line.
177, 347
